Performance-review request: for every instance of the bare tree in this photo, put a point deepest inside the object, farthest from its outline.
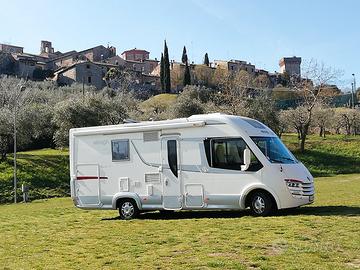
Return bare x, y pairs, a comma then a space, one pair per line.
323, 118
311, 88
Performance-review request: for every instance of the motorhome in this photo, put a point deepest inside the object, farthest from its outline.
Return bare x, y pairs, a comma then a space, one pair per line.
204, 162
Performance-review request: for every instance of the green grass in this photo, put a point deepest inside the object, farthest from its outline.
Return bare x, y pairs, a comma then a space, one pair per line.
53, 234
45, 171
335, 154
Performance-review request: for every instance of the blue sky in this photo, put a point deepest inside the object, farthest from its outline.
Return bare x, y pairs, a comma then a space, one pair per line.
260, 32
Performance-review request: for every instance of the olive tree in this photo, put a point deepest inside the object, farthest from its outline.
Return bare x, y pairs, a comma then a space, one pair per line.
311, 89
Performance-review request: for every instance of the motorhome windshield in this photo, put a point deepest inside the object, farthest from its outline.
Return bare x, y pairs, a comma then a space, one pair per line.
274, 150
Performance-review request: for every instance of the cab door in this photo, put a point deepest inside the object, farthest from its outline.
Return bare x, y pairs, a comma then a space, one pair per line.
171, 173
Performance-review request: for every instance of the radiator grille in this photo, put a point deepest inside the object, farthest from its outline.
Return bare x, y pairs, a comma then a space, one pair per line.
301, 189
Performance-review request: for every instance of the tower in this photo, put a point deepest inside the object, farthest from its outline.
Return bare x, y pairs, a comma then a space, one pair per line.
46, 47
290, 65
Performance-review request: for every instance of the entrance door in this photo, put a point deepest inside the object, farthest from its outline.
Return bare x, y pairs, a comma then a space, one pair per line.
171, 173
88, 184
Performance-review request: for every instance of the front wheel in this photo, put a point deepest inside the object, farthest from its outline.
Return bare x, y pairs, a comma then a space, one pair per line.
128, 209
261, 204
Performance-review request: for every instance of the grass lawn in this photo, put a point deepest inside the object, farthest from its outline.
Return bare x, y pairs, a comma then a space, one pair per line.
46, 171
335, 154
53, 234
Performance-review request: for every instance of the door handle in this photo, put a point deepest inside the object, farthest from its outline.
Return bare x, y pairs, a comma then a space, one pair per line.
166, 182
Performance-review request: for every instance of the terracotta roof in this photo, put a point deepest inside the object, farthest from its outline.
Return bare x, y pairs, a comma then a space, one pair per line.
135, 51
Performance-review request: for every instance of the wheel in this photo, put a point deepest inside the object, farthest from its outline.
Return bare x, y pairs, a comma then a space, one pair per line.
261, 204
128, 209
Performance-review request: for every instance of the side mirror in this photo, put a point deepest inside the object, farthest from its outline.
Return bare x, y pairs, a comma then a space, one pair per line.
247, 160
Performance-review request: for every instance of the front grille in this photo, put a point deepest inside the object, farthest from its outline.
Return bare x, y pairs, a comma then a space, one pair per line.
298, 188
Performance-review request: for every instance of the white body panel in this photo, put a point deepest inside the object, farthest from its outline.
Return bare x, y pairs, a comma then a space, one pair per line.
147, 177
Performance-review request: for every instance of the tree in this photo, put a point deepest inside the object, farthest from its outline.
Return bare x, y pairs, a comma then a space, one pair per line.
203, 75
6, 130
349, 120
120, 78
167, 78
187, 104
184, 58
311, 90
162, 73
187, 75
91, 110
7, 64
206, 60
323, 118
261, 82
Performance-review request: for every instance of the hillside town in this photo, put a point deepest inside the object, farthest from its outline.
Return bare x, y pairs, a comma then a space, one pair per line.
90, 66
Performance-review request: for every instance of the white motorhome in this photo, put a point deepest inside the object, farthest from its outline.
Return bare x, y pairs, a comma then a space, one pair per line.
212, 161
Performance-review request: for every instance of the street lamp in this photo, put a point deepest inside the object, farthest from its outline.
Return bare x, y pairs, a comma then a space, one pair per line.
354, 90
22, 88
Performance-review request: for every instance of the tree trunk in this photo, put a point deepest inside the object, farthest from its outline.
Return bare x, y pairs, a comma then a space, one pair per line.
302, 143
321, 132
3, 157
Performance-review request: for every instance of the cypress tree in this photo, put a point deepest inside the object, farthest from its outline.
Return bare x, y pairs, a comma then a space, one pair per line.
184, 58
167, 80
162, 72
206, 60
187, 76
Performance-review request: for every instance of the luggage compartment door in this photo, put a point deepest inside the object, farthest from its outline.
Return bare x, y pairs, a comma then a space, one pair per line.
194, 195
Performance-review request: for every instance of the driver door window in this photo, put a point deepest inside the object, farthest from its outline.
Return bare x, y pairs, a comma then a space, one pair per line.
228, 154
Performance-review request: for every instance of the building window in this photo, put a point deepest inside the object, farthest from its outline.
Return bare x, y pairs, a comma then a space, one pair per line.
172, 156
228, 154
120, 150
89, 79
87, 66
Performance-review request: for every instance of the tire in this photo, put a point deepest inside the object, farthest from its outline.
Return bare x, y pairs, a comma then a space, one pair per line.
128, 209
261, 204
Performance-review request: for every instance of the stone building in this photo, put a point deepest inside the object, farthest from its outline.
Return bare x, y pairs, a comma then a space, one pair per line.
87, 73
6, 48
135, 55
235, 65
290, 65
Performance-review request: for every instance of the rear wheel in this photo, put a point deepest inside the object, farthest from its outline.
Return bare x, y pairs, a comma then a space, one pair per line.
261, 204
128, 209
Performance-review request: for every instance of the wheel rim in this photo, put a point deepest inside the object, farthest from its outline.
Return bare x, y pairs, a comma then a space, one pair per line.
259, 205
127, 209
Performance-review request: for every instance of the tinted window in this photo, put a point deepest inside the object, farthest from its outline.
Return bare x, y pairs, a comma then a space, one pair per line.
120, 150
229, 154
172, 156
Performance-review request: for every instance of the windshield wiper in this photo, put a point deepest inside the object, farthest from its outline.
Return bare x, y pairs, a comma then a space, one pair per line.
276, 160
286, 158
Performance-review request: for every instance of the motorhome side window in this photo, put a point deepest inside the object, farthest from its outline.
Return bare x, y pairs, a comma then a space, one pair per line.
120, 150
172, 156
228, 154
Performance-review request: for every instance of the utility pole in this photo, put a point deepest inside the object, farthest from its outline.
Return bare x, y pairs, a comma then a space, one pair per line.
22, 88
354, 91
